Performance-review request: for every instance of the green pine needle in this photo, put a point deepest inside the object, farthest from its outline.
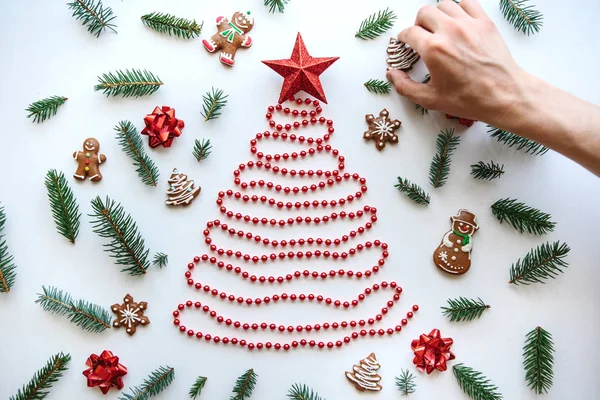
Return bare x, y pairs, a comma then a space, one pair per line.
134, 83
378, 86
276, 5
376, 24
439, 170
214, 101
95, 16
523, 217
538, 355
131, 143
43, 109
418, 106
413, 191
89, 317
160, 259
544, 262
196, 389
7, 267
202, 149
302, 392
172, 25
126, 244
406, 382
65, 209
489, 171
244, 385
474, 384
510, 139
39, 386
155, 383
522, 15
463, 309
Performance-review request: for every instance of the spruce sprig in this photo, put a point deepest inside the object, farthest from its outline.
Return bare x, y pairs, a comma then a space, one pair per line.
89, 317
463, 309
8, 268
40, 384
406, 382
538, 354
95, 16
202, 149
510, 139
214, 101
376, 24
413, 191
65, 209
276, 5
43, 109
196, 389
244, 385
524, 17
439, 170
126, 244
475, 384
131, 143
487, 171
418, 106
302, 392
134, 83
160, 259
378, 86
523, 217
172, 25
156, 382
544, 262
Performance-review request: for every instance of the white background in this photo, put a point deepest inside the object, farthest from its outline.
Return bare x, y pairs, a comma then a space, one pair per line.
45, 52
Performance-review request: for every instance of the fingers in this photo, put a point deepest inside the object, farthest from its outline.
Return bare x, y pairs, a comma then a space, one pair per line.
473, 8
430, 18
452, 9
418, 92
415, 37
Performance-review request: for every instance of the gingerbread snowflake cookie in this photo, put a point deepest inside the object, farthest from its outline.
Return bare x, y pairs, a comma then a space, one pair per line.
400, 56
130, 314
181, 191
230, 36
381, 129
454, 253
364, 376
89, 161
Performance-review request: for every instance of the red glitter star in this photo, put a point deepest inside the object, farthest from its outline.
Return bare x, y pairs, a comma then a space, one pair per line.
301, 72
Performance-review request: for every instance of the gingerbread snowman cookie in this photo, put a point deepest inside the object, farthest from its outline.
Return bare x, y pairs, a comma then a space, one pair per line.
454, 253
89, 161
230, 36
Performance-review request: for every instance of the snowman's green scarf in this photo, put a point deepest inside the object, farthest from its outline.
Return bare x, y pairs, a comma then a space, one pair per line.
466, 238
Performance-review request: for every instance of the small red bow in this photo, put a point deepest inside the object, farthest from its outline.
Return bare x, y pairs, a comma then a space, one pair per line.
162, 126
432, 352
105, 371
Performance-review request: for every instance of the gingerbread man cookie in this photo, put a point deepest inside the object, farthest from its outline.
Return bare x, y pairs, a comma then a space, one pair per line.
89, 161
454, 253
381, 129
230, 36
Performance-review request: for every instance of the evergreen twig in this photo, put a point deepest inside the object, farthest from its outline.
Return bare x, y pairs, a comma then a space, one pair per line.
131, 142
439, 170
406, 382
160, 259
65, 209
538, 354
214, 101
40, 384
524, 17
95, 16
8, 268
43, 109
463, 309
544, 262
202, 149
196, 389
302, 392
413, 191
172, 25
244, 385
378, 86
474, 384
487, 171
89, 317
418, 106
376, 24
126, 244
523, 217
134, 83
276, 5
156, 382
510, 139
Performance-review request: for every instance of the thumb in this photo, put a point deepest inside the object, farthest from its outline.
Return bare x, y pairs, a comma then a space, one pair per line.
418, 92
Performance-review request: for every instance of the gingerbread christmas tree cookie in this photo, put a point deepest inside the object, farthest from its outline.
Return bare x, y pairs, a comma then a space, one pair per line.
230, 36
130, 314
400, 56
364, 376
382, 129
454, 253
181, 192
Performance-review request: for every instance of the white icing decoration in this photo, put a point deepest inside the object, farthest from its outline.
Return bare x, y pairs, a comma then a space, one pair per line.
365, 375
443, 256
181, 190
401, 56
129, 316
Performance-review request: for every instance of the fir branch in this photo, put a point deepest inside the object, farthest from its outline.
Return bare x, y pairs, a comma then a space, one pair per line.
524, 17
172, 25
474, 384
196, 389
134, 83
65, 209
8, 274
276, 5
439, 170
413, 191
214, 101
89, 317
95, 16
510, 139
126, 243
538, 354
376, 24
418, 106
41, 383
378, 86
202, 149
160, 259
544, 262
156, 382
244, 385
463, 309
131, 142
489, 171
406, 382
43, 109
523, 217
302, 392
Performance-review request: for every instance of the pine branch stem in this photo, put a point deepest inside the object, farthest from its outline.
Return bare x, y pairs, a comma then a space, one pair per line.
539, 265
64, 209
520, 11
152, 385
439, 172
42, 382
138, 263
133, 84
138, 156
4, 283
77, 311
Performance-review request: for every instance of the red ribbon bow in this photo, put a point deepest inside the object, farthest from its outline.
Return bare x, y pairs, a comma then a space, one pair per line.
432, 352
162, 126
105, 371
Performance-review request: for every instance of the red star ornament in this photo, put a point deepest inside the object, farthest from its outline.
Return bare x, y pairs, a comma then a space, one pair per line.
301, 72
